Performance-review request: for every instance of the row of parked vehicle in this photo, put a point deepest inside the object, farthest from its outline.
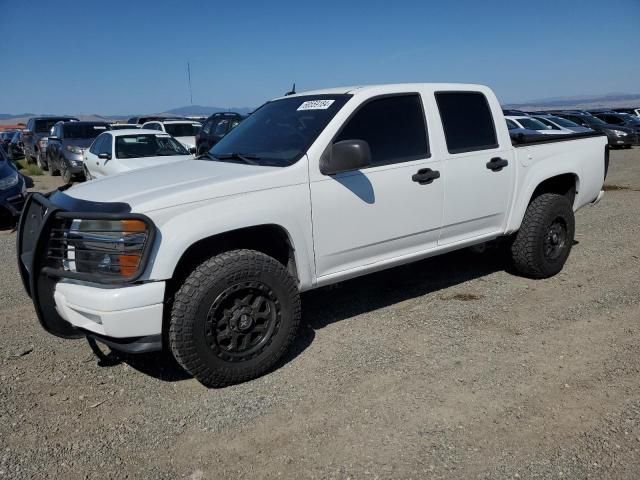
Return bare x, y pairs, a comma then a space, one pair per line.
622, 127
62, 145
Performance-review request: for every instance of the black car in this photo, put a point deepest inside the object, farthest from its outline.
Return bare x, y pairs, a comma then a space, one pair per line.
150, 118
12, 191
16, 147
5, 139
35, 137
67, 144
618, 136
214, 128
621, 120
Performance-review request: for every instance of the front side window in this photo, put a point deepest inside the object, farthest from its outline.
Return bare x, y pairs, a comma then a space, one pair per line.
394, 128
281, 131
148, 145
467, 121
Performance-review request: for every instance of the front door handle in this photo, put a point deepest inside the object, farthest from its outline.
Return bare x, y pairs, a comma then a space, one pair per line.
425, 176
496, 164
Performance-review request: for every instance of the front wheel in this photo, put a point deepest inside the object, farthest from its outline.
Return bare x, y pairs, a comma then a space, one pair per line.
234, 317
66, 173
543, 243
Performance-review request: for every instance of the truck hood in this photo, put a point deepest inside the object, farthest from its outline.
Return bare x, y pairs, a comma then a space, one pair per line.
173, 184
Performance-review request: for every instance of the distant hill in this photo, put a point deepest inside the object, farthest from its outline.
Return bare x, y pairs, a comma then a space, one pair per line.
611, 100
187, 111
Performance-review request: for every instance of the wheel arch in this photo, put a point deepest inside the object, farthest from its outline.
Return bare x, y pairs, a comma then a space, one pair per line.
565, 183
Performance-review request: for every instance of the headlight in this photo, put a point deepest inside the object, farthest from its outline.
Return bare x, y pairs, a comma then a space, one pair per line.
74, 149
106, 248
10, 181
620, 133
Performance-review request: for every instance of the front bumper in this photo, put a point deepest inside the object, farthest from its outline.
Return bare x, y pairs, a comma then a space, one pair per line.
627, 140
126, 314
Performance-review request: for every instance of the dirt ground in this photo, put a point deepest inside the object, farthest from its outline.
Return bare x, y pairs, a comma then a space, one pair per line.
449, 368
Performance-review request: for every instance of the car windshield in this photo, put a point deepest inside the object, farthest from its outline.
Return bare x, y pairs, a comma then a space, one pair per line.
563, 122
591, 120
44, 126
547, 123
280, 132
148, 145
182, 129
532, 124
83, 130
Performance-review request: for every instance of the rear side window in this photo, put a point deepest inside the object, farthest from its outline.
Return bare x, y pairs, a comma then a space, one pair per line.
394, 128
467, 121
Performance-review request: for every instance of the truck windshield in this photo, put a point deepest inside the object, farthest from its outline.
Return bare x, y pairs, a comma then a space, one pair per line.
182, 129
84, 130
281, 131
44, 126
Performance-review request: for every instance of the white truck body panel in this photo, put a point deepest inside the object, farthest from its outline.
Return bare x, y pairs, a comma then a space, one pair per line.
356, 222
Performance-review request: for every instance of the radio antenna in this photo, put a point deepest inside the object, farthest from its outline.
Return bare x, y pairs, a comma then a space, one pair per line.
189, 77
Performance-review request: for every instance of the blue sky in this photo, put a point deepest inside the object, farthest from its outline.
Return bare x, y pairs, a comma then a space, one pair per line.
122, 57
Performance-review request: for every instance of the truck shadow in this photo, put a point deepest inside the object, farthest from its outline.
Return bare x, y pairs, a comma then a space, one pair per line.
328, 305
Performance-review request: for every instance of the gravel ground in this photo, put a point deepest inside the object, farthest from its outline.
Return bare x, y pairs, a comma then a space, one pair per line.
449, 368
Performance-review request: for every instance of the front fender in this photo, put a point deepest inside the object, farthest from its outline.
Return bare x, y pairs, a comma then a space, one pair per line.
181, 226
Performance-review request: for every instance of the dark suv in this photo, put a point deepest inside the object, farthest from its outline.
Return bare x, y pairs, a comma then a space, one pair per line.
67, 145
621, 120
618, 136
214, 128
34, 137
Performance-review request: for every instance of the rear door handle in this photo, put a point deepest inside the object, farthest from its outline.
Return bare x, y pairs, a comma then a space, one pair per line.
496, 164
425, 176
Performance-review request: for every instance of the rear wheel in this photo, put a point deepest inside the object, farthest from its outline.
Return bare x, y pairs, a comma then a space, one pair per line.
543, 243
234, 317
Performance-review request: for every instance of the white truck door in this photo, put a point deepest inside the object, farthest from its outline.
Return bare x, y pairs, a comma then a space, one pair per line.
479, 173
390, 209
103, 166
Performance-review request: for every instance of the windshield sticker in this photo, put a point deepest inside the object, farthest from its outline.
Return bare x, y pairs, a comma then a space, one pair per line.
316, 105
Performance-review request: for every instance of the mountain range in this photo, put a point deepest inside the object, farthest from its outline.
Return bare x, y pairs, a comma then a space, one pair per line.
613, 100
186, 111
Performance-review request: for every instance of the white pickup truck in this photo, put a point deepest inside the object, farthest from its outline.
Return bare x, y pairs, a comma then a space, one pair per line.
207, 258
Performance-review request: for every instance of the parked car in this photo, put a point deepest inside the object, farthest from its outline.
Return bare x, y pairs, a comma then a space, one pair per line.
561, 124
125, 150
123, 126
619, 137
35, 137
5, 139
12, 191
622, 120
215, 128
630, 111
184, 131
312, 189
66, 147
16, 147
531, 123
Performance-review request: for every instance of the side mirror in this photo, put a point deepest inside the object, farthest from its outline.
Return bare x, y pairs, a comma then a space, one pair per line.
104, 156
345, 156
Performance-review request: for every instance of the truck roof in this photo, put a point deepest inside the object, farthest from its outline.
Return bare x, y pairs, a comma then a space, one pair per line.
391, 87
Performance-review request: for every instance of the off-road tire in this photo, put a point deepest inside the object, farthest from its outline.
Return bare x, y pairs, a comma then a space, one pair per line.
40, 163
67, 176
545, 215
191, 336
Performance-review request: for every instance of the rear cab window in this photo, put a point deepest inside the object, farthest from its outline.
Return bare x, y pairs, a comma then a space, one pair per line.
467, 121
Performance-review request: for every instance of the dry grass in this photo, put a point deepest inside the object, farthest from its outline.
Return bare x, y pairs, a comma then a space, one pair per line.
28, 169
